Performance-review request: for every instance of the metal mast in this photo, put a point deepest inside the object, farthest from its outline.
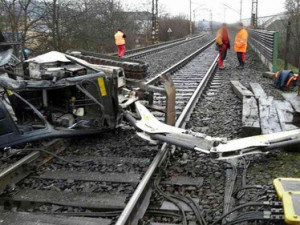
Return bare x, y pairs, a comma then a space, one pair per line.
191, 24
155, 22
254, 13
211, 21
241, 10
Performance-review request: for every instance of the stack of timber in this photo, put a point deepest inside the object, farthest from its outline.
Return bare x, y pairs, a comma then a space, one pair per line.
269, 75
261, 113
294, 100
250, 118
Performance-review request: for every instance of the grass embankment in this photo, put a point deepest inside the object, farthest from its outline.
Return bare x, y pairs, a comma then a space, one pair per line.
280, 66
285, 164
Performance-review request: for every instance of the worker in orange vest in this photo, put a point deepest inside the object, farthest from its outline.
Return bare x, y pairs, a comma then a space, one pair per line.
223, 43
120, 42
285, 79
240, 45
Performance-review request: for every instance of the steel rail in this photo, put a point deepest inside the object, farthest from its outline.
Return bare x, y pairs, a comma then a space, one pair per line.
136, 50
160, 48
130, 213
188, 109
18, 170
181, 63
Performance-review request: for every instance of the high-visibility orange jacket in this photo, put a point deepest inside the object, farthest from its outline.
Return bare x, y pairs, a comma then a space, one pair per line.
119, 38
222, 36
241, 39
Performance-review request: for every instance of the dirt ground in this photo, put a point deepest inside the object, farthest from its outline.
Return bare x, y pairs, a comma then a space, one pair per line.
222, 117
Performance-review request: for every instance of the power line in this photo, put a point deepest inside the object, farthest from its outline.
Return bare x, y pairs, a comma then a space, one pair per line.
155, 22
254, 13
241, 10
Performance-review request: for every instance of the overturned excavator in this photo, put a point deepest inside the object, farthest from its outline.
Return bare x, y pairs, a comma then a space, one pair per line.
59, 95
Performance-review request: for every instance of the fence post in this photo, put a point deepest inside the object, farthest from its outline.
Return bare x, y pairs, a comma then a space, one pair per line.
275, 52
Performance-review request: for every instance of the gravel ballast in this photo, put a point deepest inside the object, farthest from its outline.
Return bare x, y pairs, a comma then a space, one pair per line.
160, 61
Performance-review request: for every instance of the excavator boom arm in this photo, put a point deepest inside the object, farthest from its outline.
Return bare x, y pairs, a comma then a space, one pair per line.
218, 148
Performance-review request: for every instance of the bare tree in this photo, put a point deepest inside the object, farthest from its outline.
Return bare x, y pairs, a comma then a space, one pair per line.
21, 19
84, 24
179, 25
293, 8
45, 25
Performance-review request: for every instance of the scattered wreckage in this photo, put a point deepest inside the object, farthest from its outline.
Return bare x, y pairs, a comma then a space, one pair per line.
59, 95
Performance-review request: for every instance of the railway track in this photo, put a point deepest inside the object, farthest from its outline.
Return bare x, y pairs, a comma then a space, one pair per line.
140, 52
190, 76
191, 184
139, 69
101, 181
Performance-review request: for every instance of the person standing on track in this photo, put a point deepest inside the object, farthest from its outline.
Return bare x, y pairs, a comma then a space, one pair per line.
240, 45
223, 44
120, 42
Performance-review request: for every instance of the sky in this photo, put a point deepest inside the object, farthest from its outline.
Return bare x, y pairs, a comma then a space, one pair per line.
176, 7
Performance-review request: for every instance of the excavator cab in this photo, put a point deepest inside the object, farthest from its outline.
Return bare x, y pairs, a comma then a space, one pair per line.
59, 96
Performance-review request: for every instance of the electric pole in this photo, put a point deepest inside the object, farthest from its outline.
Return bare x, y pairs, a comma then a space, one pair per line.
191, 24
241, 10
211, 22
287, 42
155, 22
254, 13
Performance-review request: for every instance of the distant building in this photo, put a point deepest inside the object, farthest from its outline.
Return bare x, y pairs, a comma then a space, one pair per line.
143, 23
141, 19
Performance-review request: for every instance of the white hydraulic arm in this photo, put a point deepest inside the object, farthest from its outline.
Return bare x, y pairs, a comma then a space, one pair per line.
150, 128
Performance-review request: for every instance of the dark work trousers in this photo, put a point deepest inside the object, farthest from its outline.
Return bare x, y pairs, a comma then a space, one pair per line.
222, 56
241, 57
121, 50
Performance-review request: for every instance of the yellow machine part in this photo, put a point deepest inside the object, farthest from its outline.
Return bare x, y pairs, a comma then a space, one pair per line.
284, 185
102, 87
288, 190
291, 207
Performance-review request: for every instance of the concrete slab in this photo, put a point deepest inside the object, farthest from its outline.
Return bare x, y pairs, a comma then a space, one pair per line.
257, 90
169, 206
157, 223
240, 90
286, 109
82, 199
107, 160
91, 176
183, 180
22, 218
269, 120
269, 75
250, 117
294, 99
